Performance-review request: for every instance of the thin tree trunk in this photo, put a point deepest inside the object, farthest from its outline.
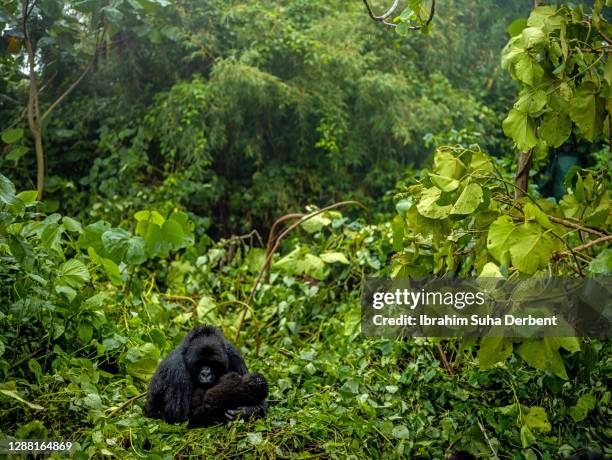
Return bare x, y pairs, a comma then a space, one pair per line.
34, 121
521, 181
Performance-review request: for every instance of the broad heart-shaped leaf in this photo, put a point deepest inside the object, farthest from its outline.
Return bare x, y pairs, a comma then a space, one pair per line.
480, 162
446, 184
172, 232
469, 200
502, 235
534, 36
17, 152
122, 246
183, 220
513, 50
157, 245
531, 101
571, 344
110, 268
584, 405
555, 128
536, 419
10, 136
92, 237
28, 197
583, 110
300, 261
602, 264
493, 350
490, 270
448, 165
115, 243
543, 354
145, 218
51, 237
532, 249
334, 257
517, 26
527, 437
72, 225
427, 205
315, 223
85, 332
544, 16
142, 361
526, 70
532, 212
72, 273
7, 191
520, 127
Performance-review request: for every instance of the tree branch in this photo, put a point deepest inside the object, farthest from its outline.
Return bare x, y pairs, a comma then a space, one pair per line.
570, 224
584, 247
383, 17
269, 256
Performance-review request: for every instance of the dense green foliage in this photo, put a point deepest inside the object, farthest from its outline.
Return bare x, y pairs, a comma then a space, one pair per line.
190, 123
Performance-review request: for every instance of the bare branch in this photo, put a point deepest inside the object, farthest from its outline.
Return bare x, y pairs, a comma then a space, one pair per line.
269, 255
383, 17
584, 247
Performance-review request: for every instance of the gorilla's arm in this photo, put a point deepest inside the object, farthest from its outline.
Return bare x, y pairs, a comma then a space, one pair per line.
170, 390
235, 360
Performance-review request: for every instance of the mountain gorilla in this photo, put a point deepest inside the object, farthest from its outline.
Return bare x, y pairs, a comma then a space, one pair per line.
205, 380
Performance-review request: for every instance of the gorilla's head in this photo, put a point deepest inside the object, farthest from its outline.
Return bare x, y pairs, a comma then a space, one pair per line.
205, 354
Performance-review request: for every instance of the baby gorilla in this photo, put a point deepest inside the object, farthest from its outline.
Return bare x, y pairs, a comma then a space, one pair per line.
209, 406
178, 390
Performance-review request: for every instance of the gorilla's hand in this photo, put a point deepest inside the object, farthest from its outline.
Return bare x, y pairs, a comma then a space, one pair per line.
247, 412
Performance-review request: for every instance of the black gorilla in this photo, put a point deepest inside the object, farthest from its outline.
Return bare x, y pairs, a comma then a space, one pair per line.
205, 380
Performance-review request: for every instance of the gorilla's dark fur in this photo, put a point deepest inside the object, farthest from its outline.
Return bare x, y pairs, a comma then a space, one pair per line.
205, 380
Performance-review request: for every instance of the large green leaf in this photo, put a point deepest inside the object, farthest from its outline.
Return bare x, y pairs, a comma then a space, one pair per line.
145, 218
585, 404
334, 257
602, 264
503, 233
92, 237
51, 237
12, 135
109, 267
122, 246
531, 101
527, 70
427, 205
72, 273
156, 245
469, 200
583, 110
532, 249
536, 419
533, 37
555, 128
172, 232
446, 184
315, 223
7, 191
448, 165
493, 350
520, 127
543, 354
